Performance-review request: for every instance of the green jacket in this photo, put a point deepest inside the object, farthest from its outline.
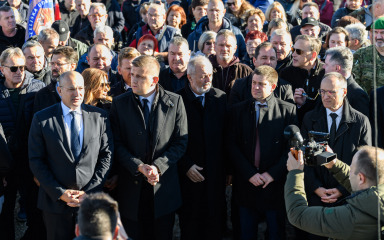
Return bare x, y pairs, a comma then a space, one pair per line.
78, 46
357, 219
363, 68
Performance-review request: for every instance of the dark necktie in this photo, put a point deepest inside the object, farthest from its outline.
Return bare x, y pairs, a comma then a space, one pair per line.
75, 138
200, 99
146, 112
332, 133
257, 148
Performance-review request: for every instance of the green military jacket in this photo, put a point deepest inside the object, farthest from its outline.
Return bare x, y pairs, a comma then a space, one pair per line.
357, 219
363, 68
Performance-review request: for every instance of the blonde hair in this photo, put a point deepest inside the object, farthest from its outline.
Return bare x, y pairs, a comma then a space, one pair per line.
93, 79
275, 6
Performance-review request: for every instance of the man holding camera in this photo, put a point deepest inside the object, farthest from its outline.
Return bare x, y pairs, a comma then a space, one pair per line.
357, 218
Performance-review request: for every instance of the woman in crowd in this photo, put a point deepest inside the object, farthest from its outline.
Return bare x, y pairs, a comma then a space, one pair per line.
275, 24
255, 20
252, 40
294, 14
236, 12
197, 10
96, 88
206, 44
176, 17
147, 45
274, 11
337, 37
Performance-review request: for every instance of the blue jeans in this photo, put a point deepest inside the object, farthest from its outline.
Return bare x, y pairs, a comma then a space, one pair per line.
250, 218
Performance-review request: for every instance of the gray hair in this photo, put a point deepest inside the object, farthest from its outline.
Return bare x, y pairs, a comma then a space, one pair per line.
281, 32
103, 29
338, 76
96, 5
179, 41
158, 7
9, 53
198, 60
357, 31
226, 33
206, 36
342, 56
48, 33
30, 44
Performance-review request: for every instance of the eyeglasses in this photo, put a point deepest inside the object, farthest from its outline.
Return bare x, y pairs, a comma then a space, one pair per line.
298, 51
15, 68
57, 64
330, 92
310, 98
230, 4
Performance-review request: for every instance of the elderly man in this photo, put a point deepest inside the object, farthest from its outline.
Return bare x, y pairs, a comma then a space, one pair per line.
35, 61
340, 59
310, 27
175, 78
265, 54
282, 41
363, 67
156, 26
68, 12
100, 57
226, 66
115, 16
18, 89
311, 9
102, 35
357, 218
202, 168
358, 36
150, 130
11, 34
257, 152
305, 74
70, 154
81, 21
126, 56
97, 17
215, 21
348, 129
64, 59
49, 39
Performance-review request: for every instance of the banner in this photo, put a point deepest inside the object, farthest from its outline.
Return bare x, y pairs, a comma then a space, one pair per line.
40, 16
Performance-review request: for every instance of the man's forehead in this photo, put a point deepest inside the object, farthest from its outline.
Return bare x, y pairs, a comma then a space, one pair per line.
302, 43
15, 59
216, 5
58, 57
267, 51
72, 81
35, 50
98, 10
310, 9
99, 51
226, 40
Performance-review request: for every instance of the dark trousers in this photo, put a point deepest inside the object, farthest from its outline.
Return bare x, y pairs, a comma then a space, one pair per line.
7, 223
250, 218
148, 227
60, 226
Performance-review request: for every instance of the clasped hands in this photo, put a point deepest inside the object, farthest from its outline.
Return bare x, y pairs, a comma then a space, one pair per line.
261, 179
73, 198
150, 172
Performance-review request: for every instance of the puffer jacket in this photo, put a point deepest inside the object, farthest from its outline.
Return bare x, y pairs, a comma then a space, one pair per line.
202, 26
357, 219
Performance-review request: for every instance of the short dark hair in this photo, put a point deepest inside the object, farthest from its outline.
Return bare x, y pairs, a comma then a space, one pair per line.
5, 9
268, 72
68, 52
197, 3
264, 45
366, 164
97, 215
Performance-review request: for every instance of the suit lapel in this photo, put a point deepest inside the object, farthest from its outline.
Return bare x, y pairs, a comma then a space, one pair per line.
161, 117
60, 130
87, 125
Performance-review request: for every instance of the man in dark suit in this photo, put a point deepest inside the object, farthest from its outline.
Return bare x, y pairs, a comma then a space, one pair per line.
348, 130
380, 116
150, 132
340, 59
63, 59
70, 151
258, 151
202, 169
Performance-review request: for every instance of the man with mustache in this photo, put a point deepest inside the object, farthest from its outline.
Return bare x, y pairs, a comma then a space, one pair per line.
363, 65
64, 59
175, 78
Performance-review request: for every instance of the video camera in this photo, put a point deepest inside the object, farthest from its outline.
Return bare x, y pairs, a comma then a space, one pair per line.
314, 153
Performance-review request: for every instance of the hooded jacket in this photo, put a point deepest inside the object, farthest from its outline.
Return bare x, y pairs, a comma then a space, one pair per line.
357, 219
202, 26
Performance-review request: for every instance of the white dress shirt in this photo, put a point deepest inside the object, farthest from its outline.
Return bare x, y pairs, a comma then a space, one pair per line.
338, 119
67, 122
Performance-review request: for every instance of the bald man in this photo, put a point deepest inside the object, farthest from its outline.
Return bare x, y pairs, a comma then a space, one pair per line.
70, 150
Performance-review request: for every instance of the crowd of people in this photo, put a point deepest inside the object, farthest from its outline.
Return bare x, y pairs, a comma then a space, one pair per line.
165, 104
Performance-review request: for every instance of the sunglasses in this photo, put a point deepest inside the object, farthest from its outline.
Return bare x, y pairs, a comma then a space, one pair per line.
15, 68
230, 4
298, 51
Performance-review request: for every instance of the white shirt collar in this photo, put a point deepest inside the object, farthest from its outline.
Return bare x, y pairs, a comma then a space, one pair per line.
338, 111
67, 110
126, 86
150, 98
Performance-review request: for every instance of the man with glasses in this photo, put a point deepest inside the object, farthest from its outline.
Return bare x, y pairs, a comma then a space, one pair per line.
348, 129
63, 59
70, 154
98, 17
305, 74
18, 89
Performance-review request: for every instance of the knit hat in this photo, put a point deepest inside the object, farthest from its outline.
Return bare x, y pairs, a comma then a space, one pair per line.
379, 23
152, 38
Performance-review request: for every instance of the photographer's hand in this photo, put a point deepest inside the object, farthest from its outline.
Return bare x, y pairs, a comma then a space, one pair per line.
332, 195
292, 163
330, 164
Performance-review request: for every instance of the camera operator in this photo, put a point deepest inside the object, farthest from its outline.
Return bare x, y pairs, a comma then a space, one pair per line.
357, 219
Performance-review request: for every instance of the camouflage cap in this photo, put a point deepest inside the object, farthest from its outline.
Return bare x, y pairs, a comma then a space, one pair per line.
379, 23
